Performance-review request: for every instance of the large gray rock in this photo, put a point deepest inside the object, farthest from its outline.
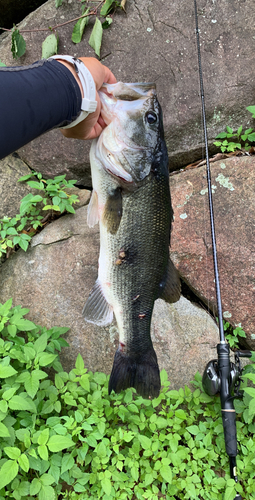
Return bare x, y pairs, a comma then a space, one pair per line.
155, 42
233, 184
53, 279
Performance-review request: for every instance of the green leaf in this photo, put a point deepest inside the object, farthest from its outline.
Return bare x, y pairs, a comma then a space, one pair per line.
251, 137
12, 330
4, 432
58, 3
8, 472
49, 46
58, 443
24, 462
25, 177
43, 452
79, 364
193, 429
106, 485
32, 385
6, 371
106, 7
166, 473
12, 452
52, 207
79, 28
250, 391
229, 129
96, 37
84, 381
19, 403
145, 441
251, 109
41, 343
11, 230
46, 358
18, 44
107, 23
46, 493
47, 479
44, 436
67, 463
230, 493
2, 64
35, 487
70, 209
24, 325
5, 308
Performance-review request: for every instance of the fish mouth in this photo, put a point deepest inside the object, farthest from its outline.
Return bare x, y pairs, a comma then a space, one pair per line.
110, 94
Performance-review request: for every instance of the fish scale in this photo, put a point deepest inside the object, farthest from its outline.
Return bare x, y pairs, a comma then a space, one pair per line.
131, 200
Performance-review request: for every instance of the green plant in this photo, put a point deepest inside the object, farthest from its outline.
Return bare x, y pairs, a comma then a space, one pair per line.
54, 196
64, 437
241, 140
20, 229
232, 335
50, 44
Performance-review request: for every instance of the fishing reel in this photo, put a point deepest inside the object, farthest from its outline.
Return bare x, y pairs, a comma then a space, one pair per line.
211, 380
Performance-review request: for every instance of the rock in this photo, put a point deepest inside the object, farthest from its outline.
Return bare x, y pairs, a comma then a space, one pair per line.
53, 279
153, 42
233, 184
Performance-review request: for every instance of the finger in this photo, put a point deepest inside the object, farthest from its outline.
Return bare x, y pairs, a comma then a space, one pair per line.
95, 132
109, 76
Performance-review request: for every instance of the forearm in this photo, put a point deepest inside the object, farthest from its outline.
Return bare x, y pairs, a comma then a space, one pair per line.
33, 100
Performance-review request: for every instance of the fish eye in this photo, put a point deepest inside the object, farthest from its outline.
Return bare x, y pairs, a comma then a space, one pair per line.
151, 117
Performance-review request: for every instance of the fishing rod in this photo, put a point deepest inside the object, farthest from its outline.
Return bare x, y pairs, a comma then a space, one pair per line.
221, 376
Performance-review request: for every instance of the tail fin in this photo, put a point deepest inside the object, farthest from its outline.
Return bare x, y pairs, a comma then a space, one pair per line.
141, 372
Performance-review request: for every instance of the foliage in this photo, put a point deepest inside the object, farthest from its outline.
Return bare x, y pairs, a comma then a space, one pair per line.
18, 44
68, 439
20, 229
50, 44
240, 139
232, 335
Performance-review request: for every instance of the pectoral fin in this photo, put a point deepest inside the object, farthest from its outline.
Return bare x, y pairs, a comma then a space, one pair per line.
97, 310
113, 211
170, 287
92, 214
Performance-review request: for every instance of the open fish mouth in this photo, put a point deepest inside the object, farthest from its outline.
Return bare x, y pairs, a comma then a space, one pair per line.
111, 94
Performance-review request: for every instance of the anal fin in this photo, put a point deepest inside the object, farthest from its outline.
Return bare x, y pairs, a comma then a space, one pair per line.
170, 287
97, 310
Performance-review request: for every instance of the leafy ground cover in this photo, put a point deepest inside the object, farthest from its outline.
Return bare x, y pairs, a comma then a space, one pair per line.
63, 437
17, 231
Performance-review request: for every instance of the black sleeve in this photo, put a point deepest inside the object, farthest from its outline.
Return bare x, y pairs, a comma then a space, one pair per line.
33, 100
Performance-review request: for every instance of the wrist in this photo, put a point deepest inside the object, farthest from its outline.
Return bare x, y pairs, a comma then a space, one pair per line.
87, 85
70, 66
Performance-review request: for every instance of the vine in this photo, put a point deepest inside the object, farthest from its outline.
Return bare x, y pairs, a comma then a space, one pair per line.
104, 8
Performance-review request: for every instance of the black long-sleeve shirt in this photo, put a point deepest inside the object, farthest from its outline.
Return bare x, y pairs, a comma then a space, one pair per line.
33, 100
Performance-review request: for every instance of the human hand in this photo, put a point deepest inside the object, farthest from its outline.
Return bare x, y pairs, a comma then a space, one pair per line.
92, 126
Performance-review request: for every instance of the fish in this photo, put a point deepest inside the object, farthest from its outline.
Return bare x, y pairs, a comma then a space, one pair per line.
132, 203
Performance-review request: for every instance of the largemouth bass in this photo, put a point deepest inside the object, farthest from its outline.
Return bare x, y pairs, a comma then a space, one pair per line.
131, 200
